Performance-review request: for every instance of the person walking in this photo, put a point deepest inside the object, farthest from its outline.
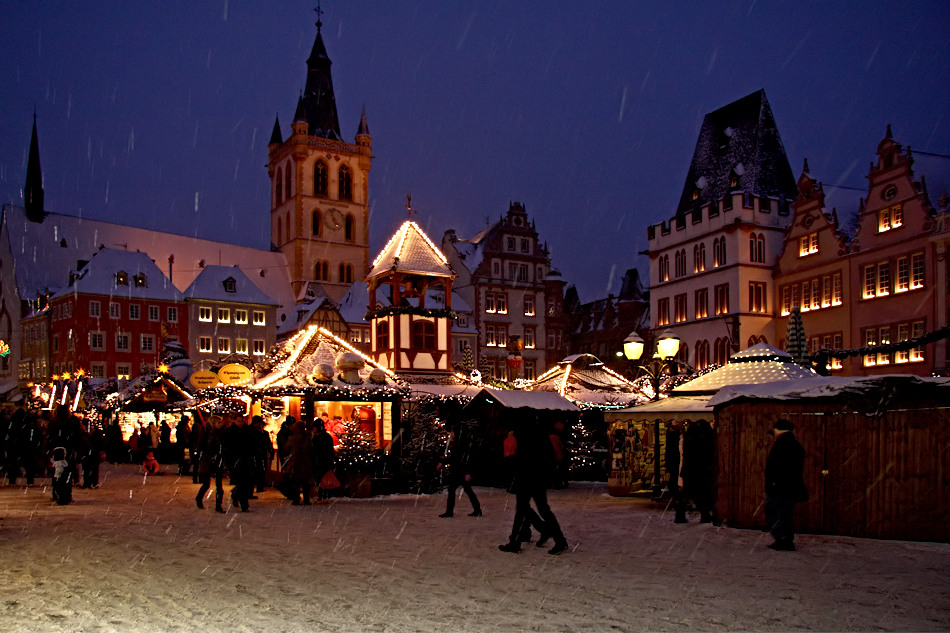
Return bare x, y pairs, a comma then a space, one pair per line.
238, 448
298, 474
210, 461
698, 471
263, 452
533, 462
456, 470
784, 485
323, 456
182, 445
197, 442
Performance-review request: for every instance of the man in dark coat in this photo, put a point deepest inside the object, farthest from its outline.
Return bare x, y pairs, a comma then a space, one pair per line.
238, 448
784, 485
456, 470
533, 465
698, 471
323, 455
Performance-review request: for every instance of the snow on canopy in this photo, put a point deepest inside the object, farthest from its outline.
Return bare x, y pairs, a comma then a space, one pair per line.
758, 364
410, 250
538, 400
583, 378
675, 408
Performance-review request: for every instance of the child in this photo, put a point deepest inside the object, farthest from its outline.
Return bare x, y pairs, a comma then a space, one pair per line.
150, 464
62, 477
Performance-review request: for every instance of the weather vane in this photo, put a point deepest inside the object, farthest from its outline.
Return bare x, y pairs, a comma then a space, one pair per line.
409, 210
319, 13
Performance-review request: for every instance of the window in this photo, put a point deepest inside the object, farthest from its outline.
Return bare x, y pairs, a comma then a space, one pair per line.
349, 228
529, 370
172, 313
890, 218
757, 248
870, 340
224, 345
722, 299
680, 262
529, 340
702, 354
917, 330
826, 291
836, 289
903, 275
702, 303
122, 278
240, 346
153, 313
806, 297
258, 347
315, 222
319, 180
490, 303
679, 308
346, 273
95, 309
529, 305
287, 190
903, 333
664, 268
722, 351
757, 297
490, 336
423, 335
511, 244
719, 252
663, 311
122, 342
134, 311
884, 338
321, 270
786, 300
883, 279
259, 317
204, 314
230, 285
346, 183
123, 371
522, 272
224, 315
382, 335
524, 245
140, 280
115, 310
279, 182
97, 369
240, 316
97, 341
147, 342
512, 271
870, 281
917, 271
815, 294
808, 244
204, 344
699, 258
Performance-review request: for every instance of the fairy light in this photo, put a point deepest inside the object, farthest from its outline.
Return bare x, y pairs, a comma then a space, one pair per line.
330, 335
616, 375
563, 385
548, 373
400, 238
78, 394
429, 242
281, 371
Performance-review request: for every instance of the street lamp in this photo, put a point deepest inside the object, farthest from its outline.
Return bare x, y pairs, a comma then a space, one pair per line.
667, 345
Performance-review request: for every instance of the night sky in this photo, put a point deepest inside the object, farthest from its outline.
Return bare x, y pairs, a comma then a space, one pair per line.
158, 114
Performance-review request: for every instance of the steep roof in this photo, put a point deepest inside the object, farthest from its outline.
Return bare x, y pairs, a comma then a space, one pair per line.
142, 278
319, 104
60, 242
210, 285
758, 364
583, 378
738, 140
410, 250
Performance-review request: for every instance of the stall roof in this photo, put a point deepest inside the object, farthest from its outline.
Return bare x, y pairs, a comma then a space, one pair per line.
540, 400
758, 364
674, 408
584, 378
833, 387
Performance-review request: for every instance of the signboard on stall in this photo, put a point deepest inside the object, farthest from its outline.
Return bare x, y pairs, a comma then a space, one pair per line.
4, 348
203, 379
234, 374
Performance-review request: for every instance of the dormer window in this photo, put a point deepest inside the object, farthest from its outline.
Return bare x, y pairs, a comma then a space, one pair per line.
140, 280
122, 278
230, 285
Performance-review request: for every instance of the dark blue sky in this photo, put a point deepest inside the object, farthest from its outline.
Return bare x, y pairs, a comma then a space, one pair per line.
158, 114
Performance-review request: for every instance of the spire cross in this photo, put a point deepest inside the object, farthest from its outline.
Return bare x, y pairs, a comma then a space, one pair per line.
319, 13
409, 209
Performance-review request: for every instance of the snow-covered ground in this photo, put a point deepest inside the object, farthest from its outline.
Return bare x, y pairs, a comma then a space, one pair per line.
137, 555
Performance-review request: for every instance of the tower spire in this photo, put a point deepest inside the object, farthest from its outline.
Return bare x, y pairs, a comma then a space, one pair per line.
33, 189
318, 99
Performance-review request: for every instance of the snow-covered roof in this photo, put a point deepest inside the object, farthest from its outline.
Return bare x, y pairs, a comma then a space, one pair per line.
584, 378
673, 408
410, 250
539, 400
127, 274
44, 253
826, 387
355, 303
211, 285
758, 364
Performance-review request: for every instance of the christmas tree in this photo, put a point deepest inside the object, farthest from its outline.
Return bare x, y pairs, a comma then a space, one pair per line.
424, 449
357, 449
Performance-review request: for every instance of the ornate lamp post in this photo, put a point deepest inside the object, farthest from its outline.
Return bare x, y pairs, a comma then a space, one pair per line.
667, 345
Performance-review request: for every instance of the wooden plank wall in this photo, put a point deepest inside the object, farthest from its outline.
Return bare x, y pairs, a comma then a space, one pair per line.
879, 477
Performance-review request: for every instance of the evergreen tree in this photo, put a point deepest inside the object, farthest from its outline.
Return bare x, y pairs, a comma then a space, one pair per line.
357, 449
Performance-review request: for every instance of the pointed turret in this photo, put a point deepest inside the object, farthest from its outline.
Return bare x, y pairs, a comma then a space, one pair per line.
275, 138
318, 99
363, 129
33, 189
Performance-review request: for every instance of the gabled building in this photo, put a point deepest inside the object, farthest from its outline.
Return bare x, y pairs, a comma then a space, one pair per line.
711, 263
516, 297
230, 320
319, 207
114, 317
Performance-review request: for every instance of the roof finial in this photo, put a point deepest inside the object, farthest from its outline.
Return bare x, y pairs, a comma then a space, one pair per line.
409, 210
319, 13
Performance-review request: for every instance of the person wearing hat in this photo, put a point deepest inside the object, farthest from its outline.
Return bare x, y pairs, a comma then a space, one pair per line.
784, 485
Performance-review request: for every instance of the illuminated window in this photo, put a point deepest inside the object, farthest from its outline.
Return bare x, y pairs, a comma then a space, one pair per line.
529, 305
883, 279
702, 303
140, 280
836, 342
224, 345
123, 371
757, 297
815, 295
722, 350
836, 289
501, 302
699, 258
259, 318
529, 339
870, 340
826, 291
122, 278
664, 264
917, 271
903, 275
240, 346
240, 316
806, 296
663, 311
786, 300
722, 299
702, 354
917, 330
870, 281
679, 308
529, 370
490, 336
204, 314
808, 244
224, 315
490, 303
204, 343
903, 333
884, 338
891, 218
719, 252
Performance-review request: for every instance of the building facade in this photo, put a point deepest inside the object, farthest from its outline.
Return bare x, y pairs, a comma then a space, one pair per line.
320, 190
517, 298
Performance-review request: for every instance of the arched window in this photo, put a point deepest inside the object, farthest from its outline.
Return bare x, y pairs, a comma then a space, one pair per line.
319, 179
349, 229
287, 189
680, 261
346, 273
279, 194
382, 335
346, 183
702, 354
321, 270
280, 231
723, 347
664, 268
719, 252
423, 335
757, 248
699, 257
315, 222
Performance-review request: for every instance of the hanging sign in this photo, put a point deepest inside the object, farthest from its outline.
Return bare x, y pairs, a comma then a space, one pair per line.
4, 348
203, 379
234, 374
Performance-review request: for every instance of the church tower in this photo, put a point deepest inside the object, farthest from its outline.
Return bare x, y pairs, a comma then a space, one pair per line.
320, 190
33, 188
